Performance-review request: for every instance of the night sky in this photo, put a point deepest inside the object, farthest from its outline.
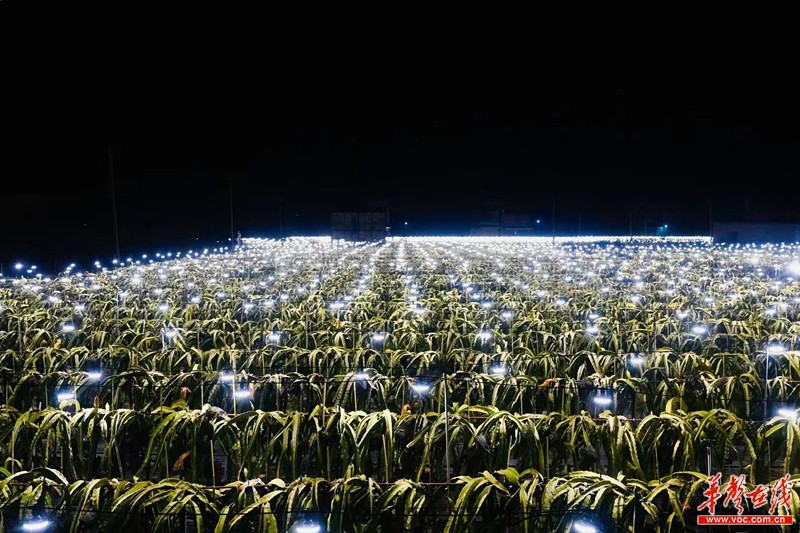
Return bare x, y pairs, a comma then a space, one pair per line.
664, 148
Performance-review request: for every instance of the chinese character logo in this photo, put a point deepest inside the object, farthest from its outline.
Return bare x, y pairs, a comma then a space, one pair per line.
735, 490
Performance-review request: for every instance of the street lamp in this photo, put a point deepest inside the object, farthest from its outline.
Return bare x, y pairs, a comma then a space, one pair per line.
498, 370
36, 524
421, 388
775, 349
377, 339
584, 527
307, 526
772, 349
65, 396
275, 337
603, 401
636, 360
485, 336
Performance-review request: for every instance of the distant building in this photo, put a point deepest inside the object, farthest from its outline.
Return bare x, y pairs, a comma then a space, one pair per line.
502, 223
359, 226
755, 232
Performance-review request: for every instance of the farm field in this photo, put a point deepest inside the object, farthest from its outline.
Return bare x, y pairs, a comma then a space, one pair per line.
425, 384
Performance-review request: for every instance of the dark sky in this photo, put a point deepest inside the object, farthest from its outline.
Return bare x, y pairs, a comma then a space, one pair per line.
662, 147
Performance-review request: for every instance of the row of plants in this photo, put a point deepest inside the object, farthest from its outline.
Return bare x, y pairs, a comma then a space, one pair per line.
638, 392
208, 445
487, 501
444, 322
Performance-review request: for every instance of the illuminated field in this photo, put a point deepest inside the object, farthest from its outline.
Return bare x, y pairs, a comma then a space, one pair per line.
308, 385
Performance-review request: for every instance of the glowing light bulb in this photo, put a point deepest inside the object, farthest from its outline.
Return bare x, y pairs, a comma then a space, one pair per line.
64, 396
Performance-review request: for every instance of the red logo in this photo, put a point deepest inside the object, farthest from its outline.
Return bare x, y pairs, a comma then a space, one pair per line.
735, 490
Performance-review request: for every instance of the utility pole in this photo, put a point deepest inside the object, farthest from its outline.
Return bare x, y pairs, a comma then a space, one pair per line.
710, 221
113, 199
230, 196
280, 216
630, 221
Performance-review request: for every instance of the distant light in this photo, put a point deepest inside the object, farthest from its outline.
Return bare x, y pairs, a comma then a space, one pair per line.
636, 359
19, 266
788, 413
498, 370
699, 330
362, 375
171, 333
603, 401
405, 223
308, 528
507, 315
378, 337
64, 396
485, 335
561, 301
79, 308
538, 221
36, 525
584, 527
94, 376
241, 394
794, 268
195, 299
68, 328
775, 349
163, 308
226, 378
420, 388
593, 316
274, 337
